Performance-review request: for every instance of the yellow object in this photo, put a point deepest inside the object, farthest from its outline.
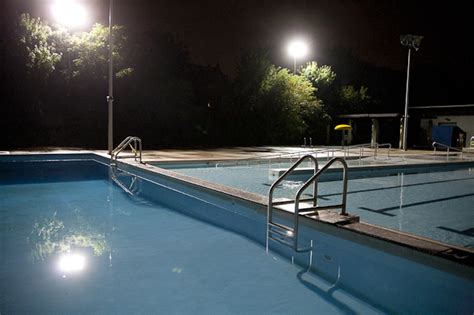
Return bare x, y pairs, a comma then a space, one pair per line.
343, 127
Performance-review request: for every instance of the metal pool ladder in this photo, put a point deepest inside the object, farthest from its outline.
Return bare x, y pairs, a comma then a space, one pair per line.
135, 145
132, 188
288, 235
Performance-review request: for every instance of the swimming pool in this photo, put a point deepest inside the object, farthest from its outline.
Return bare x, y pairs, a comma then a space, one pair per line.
433, 201
74, 242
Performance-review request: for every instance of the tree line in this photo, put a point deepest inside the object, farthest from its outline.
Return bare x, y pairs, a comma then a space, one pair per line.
55, 87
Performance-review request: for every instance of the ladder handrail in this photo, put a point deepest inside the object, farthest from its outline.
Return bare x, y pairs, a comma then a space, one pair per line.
122, 144
129, 190
379, 145
435, 144
274, 228
314, 179
282, 177
270, 201
136, 148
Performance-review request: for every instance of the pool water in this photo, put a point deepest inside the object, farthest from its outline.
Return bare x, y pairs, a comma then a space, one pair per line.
436, 205
79, 244
140, 257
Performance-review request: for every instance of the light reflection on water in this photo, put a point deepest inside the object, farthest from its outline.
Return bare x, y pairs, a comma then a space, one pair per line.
72, 239
71, 263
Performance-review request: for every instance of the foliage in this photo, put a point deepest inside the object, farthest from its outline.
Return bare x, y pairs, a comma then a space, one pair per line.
270, 104
353, 99
36, 45
319, 76
323, 80
89, 52
46, 49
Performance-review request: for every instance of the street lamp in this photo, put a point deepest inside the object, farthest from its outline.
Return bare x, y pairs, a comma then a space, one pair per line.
72, 14
412, 42
69, 13
297, 49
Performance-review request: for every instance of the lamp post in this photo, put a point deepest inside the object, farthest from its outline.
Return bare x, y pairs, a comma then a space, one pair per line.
411, 42
72, 14
110, 96
297, 49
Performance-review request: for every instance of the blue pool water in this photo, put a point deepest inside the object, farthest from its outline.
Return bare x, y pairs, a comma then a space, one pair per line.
436, 205
73, 242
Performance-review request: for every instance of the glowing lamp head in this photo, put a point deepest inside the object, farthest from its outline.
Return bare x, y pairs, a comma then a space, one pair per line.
71, 263
297, 49
69, 13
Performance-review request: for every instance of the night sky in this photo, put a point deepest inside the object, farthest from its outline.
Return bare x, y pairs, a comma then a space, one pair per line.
216, 32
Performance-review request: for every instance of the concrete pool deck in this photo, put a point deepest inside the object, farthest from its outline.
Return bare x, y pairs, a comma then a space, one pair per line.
234, 153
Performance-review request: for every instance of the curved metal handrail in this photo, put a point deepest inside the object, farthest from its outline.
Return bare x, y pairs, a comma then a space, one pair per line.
379, 145
314, 179
293, 231
436, 144
270, 222
283, 176
136, 148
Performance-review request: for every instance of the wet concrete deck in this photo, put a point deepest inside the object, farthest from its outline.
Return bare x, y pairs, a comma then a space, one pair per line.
230, 153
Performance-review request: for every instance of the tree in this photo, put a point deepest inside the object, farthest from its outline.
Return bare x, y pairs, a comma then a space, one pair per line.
269, 104
56, 81
353, 100
319, 76
89, 53
36, 46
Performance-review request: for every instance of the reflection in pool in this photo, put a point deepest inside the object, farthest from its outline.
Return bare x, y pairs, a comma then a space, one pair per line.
71, 263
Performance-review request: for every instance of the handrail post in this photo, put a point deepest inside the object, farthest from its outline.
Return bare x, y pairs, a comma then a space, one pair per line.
344, 188
296, 225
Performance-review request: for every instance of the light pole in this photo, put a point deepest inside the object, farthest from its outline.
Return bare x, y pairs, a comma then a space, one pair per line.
72, 14
297, 49
412, 42
110, 96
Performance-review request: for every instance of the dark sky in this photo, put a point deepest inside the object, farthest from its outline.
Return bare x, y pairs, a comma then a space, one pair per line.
218, 31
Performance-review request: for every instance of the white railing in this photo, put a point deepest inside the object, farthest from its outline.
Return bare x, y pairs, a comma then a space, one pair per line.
448, 149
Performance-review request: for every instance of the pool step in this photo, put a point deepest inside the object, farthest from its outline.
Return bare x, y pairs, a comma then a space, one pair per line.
320, 213
305, 208
281, 233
